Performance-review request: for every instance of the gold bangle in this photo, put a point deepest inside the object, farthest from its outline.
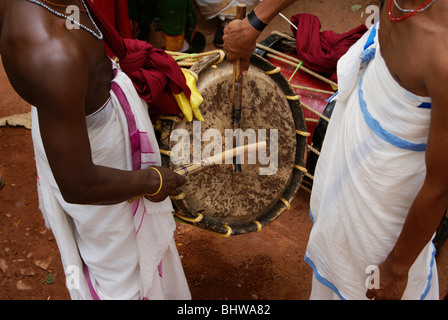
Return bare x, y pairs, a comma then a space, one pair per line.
160, 187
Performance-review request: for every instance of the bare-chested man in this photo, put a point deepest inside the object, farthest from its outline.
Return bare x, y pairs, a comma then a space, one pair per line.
381, 183
83, 156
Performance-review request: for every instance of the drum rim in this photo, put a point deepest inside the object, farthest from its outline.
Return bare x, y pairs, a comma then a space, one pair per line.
184, 214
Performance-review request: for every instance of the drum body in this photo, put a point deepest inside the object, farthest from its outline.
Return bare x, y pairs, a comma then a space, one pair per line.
314, 91
318, 137
217, 198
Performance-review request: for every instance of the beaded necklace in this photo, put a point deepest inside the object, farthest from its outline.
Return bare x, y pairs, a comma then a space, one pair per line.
64, 5
409, 12
98, 34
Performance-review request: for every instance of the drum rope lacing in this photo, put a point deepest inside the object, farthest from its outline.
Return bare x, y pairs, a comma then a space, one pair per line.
187, 60
287, 59
293, 61
197, 219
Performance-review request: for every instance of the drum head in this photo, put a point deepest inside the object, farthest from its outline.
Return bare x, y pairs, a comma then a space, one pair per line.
221, 199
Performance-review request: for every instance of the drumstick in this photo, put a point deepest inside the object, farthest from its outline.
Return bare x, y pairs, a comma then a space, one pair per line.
237, 90
219, 158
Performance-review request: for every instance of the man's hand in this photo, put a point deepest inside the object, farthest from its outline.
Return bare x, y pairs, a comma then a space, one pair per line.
239, 42
391, 284
169, 183
240, 37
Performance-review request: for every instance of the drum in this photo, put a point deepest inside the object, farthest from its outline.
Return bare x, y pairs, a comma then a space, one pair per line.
314, 90
217, 198
319, 136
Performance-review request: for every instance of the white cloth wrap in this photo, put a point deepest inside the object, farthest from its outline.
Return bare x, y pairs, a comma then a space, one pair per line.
220, 8
367, 177
123, 251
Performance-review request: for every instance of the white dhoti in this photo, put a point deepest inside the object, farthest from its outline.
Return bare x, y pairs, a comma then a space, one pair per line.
223, 9
371, 167
124, 251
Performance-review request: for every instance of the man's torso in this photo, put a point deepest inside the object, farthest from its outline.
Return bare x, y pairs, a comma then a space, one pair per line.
412, 46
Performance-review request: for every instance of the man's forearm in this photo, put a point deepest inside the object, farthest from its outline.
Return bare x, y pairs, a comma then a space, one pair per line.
420, 225
268, 9
105, 186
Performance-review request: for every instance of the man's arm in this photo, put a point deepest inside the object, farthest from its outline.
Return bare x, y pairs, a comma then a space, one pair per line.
431, 202
240, 36
57, 76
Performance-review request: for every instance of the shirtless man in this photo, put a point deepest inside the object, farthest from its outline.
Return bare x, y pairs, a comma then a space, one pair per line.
414, 50
67, 76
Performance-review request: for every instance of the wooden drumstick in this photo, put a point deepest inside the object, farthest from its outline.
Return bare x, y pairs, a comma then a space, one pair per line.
237, 90
220, 158
216, 159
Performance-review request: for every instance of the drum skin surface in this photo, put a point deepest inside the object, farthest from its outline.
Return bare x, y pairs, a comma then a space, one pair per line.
238, 202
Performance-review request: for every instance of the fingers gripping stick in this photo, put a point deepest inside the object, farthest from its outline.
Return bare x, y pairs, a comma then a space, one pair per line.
216, 159
237, 92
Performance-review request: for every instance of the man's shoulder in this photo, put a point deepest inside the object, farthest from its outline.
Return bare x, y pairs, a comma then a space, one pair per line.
35, 57
55, 48
433, 65
431, 41
435, 57
33, 32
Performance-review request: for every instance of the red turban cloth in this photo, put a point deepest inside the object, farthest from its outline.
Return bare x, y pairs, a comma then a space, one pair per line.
154, 73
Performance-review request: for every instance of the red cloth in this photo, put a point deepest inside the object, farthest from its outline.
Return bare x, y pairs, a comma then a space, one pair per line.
154, 73
117, 13
320, 51
154, 77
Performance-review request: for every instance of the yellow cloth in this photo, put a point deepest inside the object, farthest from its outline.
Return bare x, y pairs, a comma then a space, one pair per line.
190, 106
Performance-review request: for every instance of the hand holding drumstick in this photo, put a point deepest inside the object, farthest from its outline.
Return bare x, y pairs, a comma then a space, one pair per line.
168, 181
